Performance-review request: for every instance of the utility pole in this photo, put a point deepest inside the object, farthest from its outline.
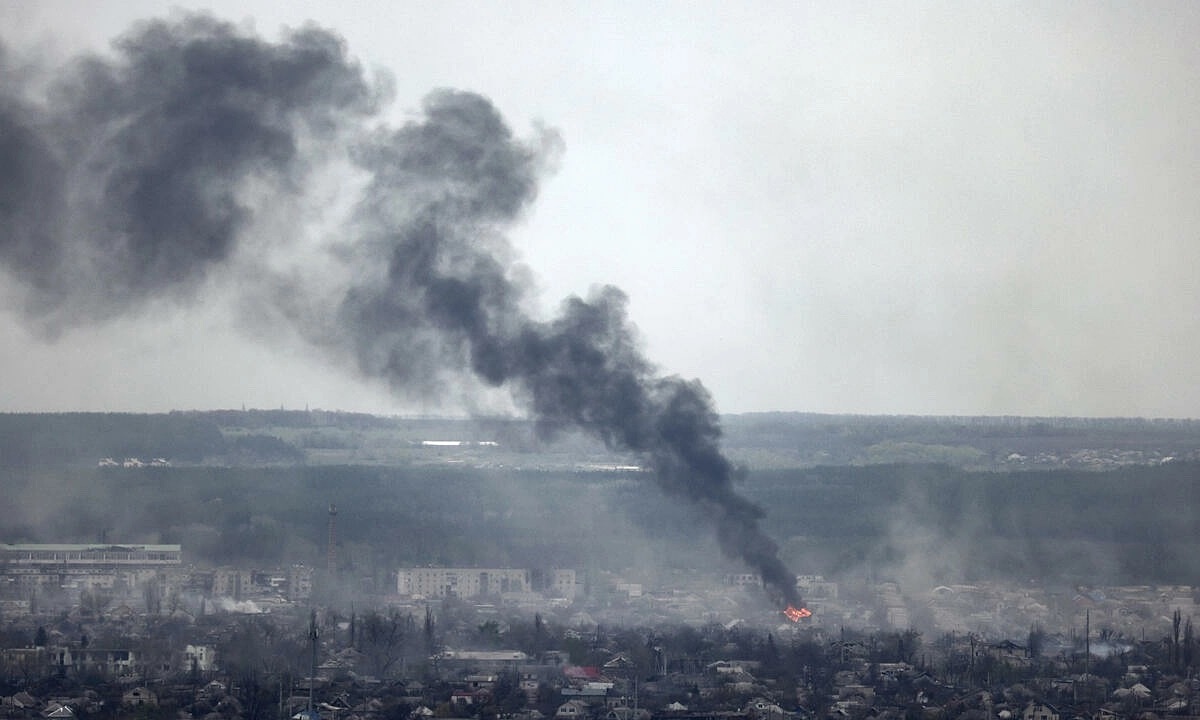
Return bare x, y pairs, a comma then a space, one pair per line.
331, 559
313, 634
1087, 641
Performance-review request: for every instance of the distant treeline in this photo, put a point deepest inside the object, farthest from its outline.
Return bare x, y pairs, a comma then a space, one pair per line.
847, 438
29, 440
243, 488
1135, 524
271, 516
912, 523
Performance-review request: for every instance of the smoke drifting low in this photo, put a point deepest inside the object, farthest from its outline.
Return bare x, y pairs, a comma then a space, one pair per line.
126, 182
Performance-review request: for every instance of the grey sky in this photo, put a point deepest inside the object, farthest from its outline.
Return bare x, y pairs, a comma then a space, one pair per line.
967, 208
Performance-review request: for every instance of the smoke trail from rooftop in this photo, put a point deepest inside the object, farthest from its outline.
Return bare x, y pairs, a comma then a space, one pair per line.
123, 183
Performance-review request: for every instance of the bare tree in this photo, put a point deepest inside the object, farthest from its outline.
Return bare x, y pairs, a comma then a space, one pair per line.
1175, 655
382, 639
1187, 644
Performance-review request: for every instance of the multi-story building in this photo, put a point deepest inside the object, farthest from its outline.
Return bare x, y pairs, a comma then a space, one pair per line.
87, 566
474, 582
200, 658
816, 587
562, 584
300, 582
753, 580
234, 583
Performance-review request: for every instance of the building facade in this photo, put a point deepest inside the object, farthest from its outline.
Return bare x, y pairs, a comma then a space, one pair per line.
86, 566
431, 582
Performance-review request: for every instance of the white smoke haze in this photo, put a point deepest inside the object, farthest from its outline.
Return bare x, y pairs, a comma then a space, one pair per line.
1108, 649
239, 607
920, 555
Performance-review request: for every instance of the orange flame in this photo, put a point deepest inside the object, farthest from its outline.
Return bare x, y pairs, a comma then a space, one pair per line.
796, 614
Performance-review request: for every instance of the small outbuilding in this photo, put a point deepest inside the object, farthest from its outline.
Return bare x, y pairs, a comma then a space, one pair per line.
139, 696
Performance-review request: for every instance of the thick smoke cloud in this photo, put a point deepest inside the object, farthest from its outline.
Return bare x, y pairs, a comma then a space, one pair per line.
124, 184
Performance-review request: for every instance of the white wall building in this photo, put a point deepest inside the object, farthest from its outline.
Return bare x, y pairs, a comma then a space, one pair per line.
200, 657
434, 582
96, 566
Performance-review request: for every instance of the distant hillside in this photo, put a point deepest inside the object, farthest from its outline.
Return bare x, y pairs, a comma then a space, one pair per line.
254, 487
989, 443
57, 439
273, 437
757, 440
918, 524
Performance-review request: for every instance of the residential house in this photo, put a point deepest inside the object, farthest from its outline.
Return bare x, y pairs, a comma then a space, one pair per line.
115, 663
200, 658
58, 711
624, 712
139, 696
572, 710
1039, 711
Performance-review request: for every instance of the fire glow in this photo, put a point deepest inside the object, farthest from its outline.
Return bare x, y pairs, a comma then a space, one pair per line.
796, 614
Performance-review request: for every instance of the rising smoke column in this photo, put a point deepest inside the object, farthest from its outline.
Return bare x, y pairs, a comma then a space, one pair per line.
441, 191
125, 185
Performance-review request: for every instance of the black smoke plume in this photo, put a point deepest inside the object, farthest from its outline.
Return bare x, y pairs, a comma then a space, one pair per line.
123, 182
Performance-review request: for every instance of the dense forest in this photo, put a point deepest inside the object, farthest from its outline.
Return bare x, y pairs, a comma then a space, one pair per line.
254, 487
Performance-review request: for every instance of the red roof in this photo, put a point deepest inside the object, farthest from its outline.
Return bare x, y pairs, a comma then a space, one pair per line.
580, 672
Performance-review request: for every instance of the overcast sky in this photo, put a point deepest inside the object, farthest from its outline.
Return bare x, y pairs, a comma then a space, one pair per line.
903, 208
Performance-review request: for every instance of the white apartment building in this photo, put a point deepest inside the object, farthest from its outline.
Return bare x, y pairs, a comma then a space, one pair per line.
439, 582
87, 566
